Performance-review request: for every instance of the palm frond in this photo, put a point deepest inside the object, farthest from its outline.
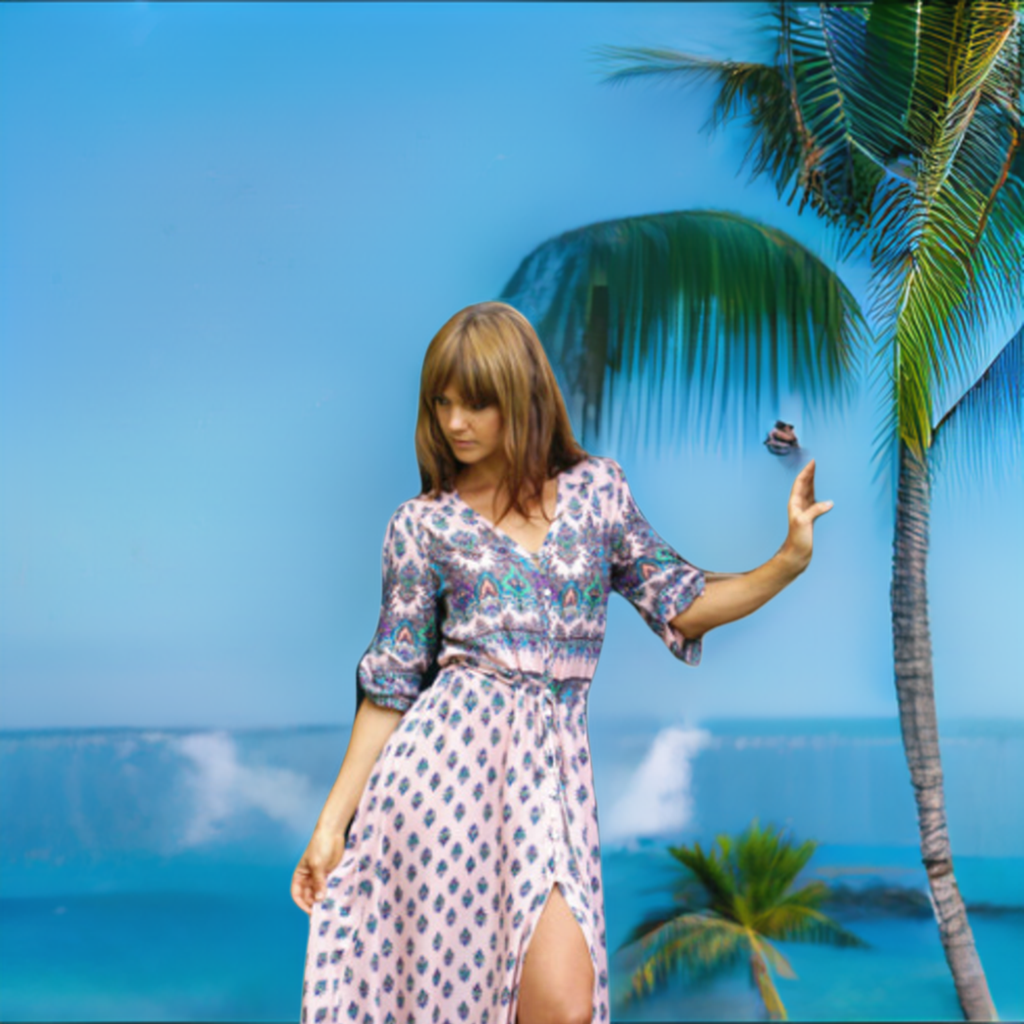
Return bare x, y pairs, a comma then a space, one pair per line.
982, 431
647, 62
778, 963
651, 922
945, 252
689, 945
791, 921
879, 39
959, 45
711, 873
997, 270
838, 174
691, 303
768, 864
794, 112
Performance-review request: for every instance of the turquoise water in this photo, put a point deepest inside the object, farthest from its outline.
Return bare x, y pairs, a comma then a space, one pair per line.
145, 876
209, 956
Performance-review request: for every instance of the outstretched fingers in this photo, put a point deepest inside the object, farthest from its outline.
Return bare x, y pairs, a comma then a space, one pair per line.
802, 497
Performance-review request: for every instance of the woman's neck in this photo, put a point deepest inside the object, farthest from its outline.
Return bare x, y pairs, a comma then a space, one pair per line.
481, 477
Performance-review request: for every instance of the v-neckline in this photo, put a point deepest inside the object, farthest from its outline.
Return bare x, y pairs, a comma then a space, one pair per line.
508, 537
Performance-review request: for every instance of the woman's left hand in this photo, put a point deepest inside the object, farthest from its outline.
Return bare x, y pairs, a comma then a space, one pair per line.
731, 596
803, 510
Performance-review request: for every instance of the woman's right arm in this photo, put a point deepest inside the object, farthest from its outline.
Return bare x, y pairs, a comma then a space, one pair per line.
370, 731
388, 679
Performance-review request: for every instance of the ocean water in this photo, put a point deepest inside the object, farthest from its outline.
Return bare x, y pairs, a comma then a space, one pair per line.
144, 875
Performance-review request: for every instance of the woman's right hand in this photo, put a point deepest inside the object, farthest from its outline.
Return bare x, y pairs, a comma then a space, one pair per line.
322, 856
370, 731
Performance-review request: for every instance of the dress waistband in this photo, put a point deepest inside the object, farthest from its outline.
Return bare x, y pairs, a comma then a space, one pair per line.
541, 683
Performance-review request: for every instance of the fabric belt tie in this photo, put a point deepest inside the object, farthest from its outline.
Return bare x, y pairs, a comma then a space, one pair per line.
550, 691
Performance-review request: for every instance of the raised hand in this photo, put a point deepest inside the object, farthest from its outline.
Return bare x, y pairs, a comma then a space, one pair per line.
803, 510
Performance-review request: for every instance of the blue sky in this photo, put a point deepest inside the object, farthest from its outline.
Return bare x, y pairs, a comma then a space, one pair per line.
230, 231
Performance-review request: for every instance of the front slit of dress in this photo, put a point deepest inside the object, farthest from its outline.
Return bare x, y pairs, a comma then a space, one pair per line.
558, 858
571, 895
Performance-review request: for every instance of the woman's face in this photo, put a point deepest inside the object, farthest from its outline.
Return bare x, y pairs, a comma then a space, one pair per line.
473, 431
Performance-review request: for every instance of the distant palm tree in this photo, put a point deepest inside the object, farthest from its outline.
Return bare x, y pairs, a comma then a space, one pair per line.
900, 124
732, 903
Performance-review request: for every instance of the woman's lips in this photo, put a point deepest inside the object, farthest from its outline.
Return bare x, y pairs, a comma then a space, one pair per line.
463, 444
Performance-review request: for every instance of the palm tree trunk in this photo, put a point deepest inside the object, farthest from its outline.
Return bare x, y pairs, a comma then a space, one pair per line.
762, 979
916, 694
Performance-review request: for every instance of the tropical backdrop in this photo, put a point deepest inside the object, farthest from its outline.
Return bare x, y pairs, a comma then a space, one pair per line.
230, 232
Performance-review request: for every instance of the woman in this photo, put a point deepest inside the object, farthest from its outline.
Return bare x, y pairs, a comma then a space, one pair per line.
454, 873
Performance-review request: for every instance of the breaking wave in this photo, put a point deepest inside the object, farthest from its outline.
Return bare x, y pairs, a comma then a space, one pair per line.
659, 796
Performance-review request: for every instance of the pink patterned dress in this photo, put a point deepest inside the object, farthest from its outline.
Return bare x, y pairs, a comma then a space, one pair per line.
483, 796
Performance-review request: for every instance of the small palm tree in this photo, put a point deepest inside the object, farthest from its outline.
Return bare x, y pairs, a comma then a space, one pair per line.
732, 903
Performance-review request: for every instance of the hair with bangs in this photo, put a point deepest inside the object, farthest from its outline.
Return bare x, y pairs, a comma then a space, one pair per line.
489, 352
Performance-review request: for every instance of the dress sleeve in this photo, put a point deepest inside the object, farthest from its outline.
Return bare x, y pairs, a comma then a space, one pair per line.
402, 651
649, 573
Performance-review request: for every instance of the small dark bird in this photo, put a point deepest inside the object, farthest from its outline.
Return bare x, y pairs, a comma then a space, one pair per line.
781, 440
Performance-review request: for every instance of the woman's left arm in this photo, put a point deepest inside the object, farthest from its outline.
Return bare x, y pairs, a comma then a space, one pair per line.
731, 596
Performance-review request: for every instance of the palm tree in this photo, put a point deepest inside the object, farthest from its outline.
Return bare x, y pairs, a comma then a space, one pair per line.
968, 436
900, 124
733, 902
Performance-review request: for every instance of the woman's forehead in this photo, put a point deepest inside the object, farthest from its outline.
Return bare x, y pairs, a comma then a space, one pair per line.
454, 394
464, 385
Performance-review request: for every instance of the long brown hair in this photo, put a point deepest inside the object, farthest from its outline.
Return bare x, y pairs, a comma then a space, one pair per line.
489, 352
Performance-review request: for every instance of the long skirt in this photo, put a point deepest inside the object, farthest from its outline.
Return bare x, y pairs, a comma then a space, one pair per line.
479, 802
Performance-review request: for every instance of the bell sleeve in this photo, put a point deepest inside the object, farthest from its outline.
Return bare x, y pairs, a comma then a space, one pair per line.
397, 662
649, 573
